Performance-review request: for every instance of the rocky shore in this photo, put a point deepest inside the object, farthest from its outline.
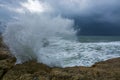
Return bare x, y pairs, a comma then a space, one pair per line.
106, 70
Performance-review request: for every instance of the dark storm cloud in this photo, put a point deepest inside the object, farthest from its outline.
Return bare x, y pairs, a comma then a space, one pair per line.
9, 8
92, 17
11, 3
103, 10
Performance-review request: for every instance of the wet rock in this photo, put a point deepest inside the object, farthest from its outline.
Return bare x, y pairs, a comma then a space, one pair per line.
6, 65
27, 71
106, 70
1, 73
6, 61
4, 54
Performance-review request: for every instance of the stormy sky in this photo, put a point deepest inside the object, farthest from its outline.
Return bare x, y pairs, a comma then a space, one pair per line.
91, 17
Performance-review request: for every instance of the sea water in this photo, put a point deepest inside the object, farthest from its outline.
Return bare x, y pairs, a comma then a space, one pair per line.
53, 41
66, 53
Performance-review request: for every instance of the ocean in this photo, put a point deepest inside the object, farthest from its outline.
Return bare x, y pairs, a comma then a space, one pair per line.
45, 31
86, 51
98, 38
91, 49
53, 41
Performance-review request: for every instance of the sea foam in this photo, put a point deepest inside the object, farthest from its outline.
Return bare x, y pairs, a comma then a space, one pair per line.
26, 36
40, 32
51, 40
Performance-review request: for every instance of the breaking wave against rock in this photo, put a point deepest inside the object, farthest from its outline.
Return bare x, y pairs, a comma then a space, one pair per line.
52, 41
28, 35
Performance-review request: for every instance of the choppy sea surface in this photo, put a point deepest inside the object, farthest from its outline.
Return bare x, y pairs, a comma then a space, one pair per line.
99, 38
57, 46
85, 52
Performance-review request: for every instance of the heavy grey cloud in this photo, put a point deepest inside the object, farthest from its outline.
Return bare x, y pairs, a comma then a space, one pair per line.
92, 17
89, 15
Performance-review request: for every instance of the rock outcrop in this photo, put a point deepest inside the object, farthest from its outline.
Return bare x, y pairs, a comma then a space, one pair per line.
106, 70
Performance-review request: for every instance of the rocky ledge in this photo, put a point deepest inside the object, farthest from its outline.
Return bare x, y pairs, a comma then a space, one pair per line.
106, 70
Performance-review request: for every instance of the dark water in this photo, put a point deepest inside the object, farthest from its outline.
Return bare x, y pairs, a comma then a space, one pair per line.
99, 38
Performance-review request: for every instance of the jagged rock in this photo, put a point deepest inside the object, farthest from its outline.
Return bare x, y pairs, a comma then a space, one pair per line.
106, 70
1, 73
4, 52
27, 71
6, 61
6, 65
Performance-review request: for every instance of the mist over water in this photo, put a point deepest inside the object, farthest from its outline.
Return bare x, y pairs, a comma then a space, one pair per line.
42, 33
52, 41
32, 32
